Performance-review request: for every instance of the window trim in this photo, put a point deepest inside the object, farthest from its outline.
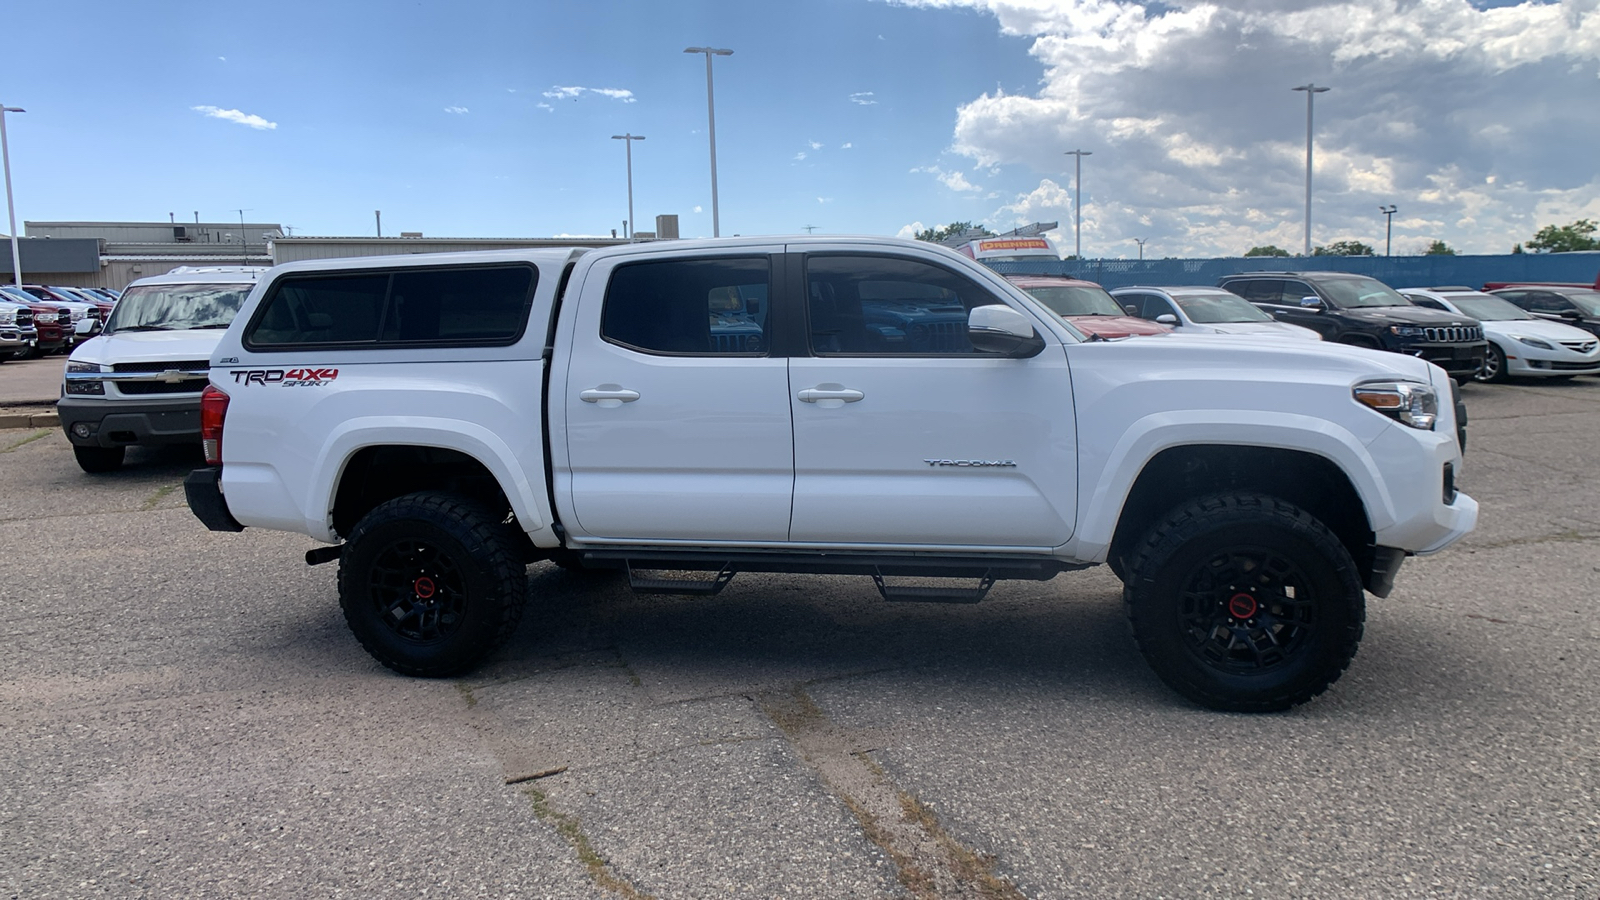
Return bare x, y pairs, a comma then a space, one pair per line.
249, 343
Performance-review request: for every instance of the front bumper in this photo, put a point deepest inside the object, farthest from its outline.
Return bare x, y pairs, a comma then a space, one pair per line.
119, 423
1462, 361
17, 341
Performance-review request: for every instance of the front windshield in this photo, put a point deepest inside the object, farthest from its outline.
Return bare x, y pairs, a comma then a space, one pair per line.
1485, 308
1074, 300
1588, 301
1360, 292
176, 307
1219, 308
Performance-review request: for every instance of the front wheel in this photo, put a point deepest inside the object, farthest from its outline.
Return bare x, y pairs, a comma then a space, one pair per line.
1245, 603
1494, 366
431, 584
97, 460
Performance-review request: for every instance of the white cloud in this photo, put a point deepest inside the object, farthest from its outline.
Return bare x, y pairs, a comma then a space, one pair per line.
457, 110
910, 231
223, 58
1478, 123
799, 156
573, 92
544, 106
824, 199
699, 208
815, 145
955, 181
864, 98
234, 115
846, 145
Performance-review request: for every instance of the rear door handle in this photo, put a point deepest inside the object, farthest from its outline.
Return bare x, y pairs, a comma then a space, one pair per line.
608, 395
830, 395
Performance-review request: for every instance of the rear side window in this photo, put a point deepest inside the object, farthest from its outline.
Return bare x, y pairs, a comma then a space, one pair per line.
697, 307
460, 306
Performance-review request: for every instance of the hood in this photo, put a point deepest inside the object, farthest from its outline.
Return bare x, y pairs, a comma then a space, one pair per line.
1242, 356
1540, 328
1116, 326
1264, 329
149, 346
1407, 315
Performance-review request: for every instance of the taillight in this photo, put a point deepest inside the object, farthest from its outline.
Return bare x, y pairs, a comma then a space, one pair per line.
213, 409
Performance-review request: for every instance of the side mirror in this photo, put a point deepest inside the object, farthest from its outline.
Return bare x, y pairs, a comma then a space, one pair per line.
1571, 314
1313, 304
1167, 319
1001, 329
1131, 309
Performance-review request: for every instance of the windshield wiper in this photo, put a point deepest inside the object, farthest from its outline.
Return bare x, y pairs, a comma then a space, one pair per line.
211, 326
143, 328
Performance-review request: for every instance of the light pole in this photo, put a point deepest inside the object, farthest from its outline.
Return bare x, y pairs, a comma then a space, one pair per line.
1140, 242
1077, 200
711, 117
1311, 91
1388, 228
629, 139
244, 240
11, 212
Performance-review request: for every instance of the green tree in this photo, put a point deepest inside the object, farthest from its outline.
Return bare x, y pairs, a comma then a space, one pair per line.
935, 235
1439, 248
1578, 235
1268, 250
1343, 248
1516, 249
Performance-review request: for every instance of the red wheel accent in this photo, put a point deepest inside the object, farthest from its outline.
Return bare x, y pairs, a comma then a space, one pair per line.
1242, 606
424, 587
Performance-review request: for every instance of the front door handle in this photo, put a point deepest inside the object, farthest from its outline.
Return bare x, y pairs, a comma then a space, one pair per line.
830, 396
608, 395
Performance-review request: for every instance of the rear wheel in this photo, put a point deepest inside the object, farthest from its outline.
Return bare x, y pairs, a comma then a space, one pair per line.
1494, 366
431, 584
1245, 603
96, 460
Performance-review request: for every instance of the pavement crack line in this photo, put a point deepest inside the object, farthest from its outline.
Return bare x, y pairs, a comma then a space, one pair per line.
930, 863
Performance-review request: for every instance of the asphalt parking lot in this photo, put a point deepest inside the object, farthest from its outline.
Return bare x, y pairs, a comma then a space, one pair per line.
184, 713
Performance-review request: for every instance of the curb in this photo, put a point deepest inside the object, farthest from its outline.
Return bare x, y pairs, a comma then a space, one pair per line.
29, 420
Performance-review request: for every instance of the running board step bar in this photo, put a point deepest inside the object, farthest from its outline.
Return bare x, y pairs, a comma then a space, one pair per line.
681, 586
930, 594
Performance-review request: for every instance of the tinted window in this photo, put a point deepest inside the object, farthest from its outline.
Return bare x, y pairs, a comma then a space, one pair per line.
452, 306
1295, 291
704, 307
1361, 292
1258, 290
1543, 301
863, 305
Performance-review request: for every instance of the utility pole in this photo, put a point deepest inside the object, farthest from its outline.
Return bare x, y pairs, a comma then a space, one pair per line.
1077, 200
1311, 91
378, 215
1140, 242
629, 139
1388, 228
11, 210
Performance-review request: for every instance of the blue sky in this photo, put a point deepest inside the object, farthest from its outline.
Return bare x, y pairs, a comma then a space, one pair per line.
853, 116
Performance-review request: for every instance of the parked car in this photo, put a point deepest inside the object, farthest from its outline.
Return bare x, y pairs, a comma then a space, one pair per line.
79, 308
87, 296
50, 321
1520, 343
18, 335
140, 381
1086, 305
1205, 310
1365, 312
1576, 306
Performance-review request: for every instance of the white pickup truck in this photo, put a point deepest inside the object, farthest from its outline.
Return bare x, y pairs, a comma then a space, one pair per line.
859, 406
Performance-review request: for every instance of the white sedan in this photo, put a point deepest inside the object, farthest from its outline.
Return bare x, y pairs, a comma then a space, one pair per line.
1520, 343
1205, 310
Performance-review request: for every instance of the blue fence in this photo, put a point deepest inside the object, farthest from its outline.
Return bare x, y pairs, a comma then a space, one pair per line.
1395, 271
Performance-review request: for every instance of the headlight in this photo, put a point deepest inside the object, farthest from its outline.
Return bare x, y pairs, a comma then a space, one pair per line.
1534, 342
79, 383
1406, 330
8, 317
1406, 402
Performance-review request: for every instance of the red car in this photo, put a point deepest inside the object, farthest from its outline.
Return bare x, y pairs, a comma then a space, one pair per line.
1086, 305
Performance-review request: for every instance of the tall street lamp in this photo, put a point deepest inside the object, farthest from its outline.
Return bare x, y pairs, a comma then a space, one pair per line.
1388, 228
11, 212
1311, 91
1077, 200
1140, 242
711, 116
629, 139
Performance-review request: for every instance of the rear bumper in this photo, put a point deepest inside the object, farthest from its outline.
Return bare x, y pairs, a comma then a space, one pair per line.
203, 490
119, 423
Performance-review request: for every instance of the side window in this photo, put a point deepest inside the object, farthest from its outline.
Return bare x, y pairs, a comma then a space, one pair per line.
1519, 298
1132, 304
455, 306
700, 307
1427, 302
1544, 301
321, 309
1157, 305
1258, 290
859, 305
1294, 292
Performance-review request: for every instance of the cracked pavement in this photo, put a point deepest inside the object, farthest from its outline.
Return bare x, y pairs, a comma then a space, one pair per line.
184, 714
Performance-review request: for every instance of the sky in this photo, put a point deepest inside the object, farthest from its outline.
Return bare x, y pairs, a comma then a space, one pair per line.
1479, 121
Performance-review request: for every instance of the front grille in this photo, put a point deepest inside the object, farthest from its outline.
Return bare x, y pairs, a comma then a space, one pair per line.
181, 365
24, 317
1579, 346
1573, 366
1453, 334
187, 386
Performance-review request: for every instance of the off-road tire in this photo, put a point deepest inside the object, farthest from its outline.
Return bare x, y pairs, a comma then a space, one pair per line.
1244, 603
99, 460
431, 584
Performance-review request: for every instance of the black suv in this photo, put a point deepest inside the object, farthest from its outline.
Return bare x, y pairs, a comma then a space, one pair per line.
1569, 305
1365, 312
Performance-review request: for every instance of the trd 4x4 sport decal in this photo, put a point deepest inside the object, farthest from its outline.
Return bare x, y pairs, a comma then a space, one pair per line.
285, 377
